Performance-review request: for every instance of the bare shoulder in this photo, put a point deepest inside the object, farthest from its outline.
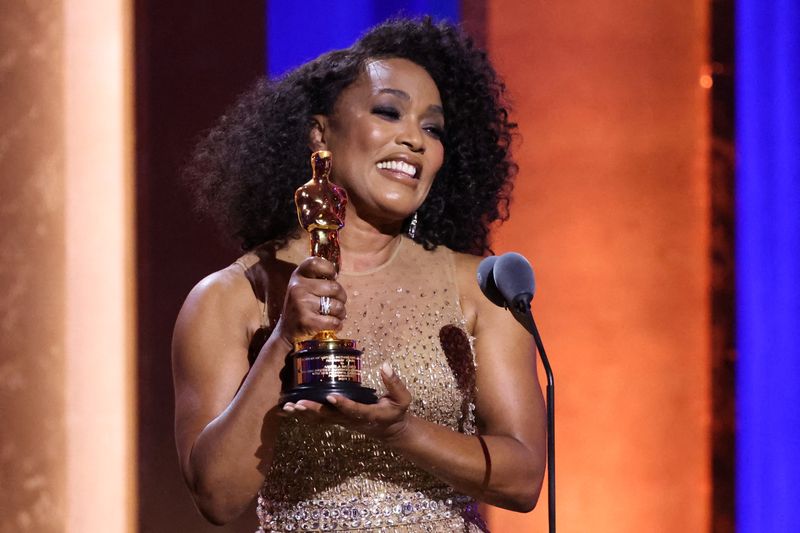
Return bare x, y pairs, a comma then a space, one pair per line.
228, 286
223, 297
466, 272
210, 344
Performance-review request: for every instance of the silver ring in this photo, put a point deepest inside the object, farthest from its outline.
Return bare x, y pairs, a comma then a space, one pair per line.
324, 305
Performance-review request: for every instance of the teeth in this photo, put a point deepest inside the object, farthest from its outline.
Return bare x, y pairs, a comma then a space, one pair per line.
401, 166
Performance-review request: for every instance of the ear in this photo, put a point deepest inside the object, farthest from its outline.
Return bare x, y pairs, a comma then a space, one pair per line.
316, 135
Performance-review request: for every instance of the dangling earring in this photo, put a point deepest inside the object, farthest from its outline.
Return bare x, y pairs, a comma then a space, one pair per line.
412, 228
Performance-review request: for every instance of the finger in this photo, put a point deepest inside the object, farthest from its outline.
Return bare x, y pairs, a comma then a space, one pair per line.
298, 407
353, 411
330, 288
309, 313
313, 302
335, 309
396, 390
316, 413
315, 407
303, 410
317, 267
309, 405
317, 323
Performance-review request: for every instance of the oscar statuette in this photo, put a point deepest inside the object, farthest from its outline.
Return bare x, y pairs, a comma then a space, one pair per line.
324, 364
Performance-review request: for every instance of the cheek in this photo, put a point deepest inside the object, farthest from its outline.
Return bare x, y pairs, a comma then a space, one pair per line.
376, 135
364, 144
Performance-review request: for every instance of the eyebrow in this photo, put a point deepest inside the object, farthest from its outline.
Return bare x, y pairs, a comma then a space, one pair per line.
404, 95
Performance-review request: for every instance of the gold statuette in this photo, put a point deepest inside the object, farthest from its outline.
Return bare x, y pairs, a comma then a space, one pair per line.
324, 364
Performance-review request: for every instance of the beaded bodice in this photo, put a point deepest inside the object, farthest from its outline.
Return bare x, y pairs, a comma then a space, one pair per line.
406, 312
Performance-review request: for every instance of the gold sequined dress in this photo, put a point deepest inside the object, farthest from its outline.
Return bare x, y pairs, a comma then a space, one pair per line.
407, 312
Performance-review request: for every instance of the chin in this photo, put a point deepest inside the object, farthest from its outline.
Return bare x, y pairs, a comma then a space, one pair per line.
398, 215
391, 218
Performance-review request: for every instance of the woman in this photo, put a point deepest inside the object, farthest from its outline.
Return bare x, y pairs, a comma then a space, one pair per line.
413, 116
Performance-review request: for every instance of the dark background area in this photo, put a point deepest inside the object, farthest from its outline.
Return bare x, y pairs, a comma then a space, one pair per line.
192, 60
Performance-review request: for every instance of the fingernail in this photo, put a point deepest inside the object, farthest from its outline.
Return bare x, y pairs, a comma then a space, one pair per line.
387, 369
300, 407
288, 407
331, 399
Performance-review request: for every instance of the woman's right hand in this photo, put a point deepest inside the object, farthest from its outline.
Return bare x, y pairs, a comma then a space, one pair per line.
301, 318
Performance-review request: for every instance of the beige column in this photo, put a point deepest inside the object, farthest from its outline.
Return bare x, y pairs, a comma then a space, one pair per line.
66, 458
612, 207
100, 308
32, 286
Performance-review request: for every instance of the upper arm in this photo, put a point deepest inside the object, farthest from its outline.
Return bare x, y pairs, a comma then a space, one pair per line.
509, 399
209, 353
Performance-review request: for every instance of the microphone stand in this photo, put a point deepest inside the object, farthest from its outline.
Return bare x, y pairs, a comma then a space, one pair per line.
521, 309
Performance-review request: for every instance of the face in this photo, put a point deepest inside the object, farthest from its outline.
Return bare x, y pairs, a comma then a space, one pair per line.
385, 136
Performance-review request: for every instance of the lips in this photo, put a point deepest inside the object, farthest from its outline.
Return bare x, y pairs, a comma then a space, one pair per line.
398, 166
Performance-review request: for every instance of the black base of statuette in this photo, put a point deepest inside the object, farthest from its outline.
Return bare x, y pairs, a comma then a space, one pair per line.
323, 367
318, 392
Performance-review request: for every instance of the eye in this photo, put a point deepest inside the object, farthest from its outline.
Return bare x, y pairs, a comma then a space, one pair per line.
386, 112
435, 131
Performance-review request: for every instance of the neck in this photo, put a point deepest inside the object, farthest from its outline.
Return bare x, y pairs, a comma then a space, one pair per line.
365, 245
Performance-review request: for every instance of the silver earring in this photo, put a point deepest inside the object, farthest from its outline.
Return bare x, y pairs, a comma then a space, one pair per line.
412, 228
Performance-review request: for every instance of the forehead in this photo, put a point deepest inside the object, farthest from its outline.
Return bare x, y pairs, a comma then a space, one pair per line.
401, 75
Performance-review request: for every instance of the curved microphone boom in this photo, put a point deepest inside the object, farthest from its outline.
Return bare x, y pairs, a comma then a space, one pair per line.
507, 281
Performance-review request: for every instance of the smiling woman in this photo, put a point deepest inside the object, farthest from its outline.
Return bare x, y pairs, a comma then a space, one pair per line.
414, 119
385, 130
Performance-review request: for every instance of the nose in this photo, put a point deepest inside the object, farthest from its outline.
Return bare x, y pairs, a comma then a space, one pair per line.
411, 136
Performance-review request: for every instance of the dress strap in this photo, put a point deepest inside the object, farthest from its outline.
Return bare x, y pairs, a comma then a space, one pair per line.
262, 302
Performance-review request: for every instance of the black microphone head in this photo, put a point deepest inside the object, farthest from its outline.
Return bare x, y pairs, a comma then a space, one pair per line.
487, 283
513, 276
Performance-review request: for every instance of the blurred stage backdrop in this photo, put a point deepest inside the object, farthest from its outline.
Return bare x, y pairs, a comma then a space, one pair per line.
649, 244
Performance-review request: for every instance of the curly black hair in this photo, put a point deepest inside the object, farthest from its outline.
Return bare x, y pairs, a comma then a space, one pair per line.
245, 171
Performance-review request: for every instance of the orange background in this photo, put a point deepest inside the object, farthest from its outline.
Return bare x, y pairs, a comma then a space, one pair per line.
611, 206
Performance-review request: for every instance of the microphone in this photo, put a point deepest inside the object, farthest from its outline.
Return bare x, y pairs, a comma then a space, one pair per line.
507, 281
486, 281
513, 276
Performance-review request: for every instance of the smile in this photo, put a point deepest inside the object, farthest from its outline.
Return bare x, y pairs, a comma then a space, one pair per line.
399, 166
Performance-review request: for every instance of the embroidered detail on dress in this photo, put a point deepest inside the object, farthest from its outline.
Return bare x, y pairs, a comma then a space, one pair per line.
407, 313
458, 351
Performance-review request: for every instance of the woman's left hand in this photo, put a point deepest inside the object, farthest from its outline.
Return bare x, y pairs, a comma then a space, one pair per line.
384, 420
